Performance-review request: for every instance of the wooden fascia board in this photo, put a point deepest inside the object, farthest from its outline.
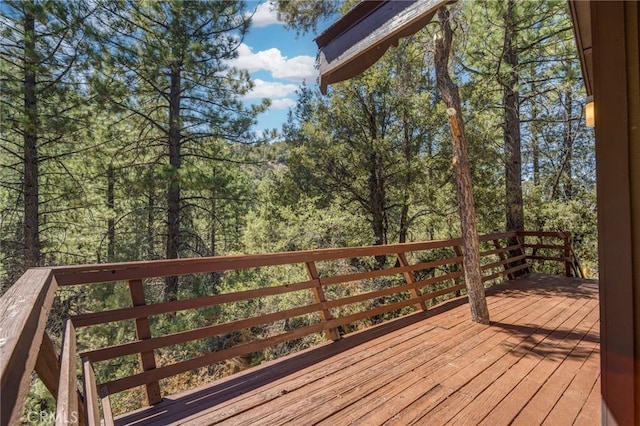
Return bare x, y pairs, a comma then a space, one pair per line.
581, 17
362, 36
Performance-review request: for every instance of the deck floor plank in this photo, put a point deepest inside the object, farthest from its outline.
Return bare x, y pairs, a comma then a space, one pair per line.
550, 391
397, 380
527, 363
323, 393
478, 379
537, 363
450, 363
573, 398
334, 393
590, 411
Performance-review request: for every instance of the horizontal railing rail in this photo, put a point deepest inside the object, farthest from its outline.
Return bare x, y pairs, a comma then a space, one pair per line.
414, 276
547, 249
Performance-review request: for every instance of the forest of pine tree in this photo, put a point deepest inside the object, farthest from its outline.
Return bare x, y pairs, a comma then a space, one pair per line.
124, 137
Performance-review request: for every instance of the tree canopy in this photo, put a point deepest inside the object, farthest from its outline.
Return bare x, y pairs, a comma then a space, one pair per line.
124, 136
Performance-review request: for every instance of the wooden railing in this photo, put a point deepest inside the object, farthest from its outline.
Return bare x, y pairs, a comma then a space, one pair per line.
417, 275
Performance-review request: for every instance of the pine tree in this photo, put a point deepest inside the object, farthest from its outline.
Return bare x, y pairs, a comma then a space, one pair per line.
168, 62
42, 110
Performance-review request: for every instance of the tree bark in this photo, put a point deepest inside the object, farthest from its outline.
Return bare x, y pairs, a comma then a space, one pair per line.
31, 190
151, 224
535, 132
512, 139
377, 204
535, 152
568, 145
111, 224
215, 276
466, 206
404, 221
173, 192
408, 155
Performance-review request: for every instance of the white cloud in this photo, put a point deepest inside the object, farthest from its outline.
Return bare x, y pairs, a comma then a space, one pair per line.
265, 15
298, 68
283, 103
270, 89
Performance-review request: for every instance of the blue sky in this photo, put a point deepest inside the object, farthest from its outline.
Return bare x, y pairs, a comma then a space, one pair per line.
278, 62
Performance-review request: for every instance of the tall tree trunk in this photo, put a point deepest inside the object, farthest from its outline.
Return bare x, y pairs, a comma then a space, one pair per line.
466, 206
31, 190
377, 204
151, 225
215, 276
111, 223
511, 102
568, 145
535, 152
173, 192
408, 172
404, 220
534, 129
512, 138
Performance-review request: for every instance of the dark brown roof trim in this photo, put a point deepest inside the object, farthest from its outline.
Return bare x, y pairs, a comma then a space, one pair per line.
363, 35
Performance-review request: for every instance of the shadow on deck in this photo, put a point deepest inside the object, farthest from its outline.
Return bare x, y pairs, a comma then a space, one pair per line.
538, 362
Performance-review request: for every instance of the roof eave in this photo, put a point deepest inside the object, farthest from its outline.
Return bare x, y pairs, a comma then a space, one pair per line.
356, 41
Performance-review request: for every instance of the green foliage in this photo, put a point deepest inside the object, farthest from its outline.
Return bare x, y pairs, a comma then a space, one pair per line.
304, 15
368, 164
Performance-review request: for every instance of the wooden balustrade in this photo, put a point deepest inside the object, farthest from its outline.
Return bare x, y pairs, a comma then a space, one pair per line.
417, 275
553, 251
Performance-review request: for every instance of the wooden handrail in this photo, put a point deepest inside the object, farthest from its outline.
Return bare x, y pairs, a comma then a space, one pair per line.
24, 310
126, 271
22, 330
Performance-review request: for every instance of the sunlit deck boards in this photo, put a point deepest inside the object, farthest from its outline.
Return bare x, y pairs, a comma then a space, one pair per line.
538, 363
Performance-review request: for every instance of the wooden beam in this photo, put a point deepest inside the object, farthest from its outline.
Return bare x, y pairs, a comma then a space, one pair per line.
126, 271
139, 311
458, 250
347, 50
149, 344
90, 393
581, 17
67, 410
318, 293
48, 365
143, 332
616, 97
410, 279
24, 309
567, 254
93, 318
106, 406
502, 256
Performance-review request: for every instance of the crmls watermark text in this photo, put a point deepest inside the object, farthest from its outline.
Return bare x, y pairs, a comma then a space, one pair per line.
48, 417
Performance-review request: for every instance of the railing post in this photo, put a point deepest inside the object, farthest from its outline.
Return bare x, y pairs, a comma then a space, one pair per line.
90, 393
519, 239
501, 255
70, 409
567, 254
106, 406
318, 292
143, 331
410, 279
458, 250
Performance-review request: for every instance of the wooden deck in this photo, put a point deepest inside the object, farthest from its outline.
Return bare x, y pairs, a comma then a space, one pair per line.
538, 363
